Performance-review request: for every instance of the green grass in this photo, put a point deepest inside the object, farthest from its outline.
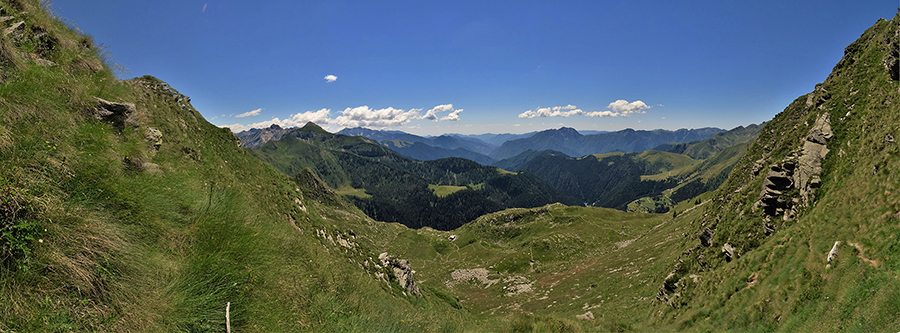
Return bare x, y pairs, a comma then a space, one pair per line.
444, 190
356, 192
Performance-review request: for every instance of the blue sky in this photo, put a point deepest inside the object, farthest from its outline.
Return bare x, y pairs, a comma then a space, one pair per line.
430, 67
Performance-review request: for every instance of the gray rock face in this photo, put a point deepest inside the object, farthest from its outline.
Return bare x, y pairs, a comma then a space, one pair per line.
256, 138
778, 180
403, 272
797, 173
810, 161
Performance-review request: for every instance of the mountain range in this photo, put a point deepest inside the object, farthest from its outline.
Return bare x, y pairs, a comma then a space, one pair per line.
442, 194
565, 140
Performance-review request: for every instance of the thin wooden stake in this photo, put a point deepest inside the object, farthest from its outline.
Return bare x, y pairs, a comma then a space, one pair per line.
228, 317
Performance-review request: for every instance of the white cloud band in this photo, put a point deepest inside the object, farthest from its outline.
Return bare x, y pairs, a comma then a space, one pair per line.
620, 108
249, 114
355, 117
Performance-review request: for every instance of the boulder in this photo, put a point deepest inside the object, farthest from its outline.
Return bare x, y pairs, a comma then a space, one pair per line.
832, 255
15, 30
728, 250
706, 237
587, 316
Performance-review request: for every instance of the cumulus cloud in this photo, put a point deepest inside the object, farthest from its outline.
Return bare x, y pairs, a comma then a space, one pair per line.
624, 108
365, 116
330, 78
453, 116
619, 108
249, 114
433, 113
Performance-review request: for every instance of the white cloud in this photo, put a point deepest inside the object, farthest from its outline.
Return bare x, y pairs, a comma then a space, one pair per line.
330, 78
453, 116
556, 111
364, 116
620, 108
623, 107
602, 114
300, 119
249, 114
433, 113
354, 117
295, 120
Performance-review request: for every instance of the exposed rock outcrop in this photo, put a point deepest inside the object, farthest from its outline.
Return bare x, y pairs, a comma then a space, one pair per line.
154, 137
778, 181
810, 161
403, 272
796, 178
119, 114
15, 30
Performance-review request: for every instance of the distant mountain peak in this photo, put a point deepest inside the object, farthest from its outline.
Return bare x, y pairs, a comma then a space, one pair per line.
311, 127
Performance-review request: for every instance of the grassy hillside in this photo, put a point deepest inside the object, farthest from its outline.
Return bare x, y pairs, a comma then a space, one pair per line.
153, 220
703, 149
691, 180
613, 179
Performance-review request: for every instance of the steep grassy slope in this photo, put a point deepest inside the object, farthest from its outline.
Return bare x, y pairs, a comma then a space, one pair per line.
150, 219
762, 251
